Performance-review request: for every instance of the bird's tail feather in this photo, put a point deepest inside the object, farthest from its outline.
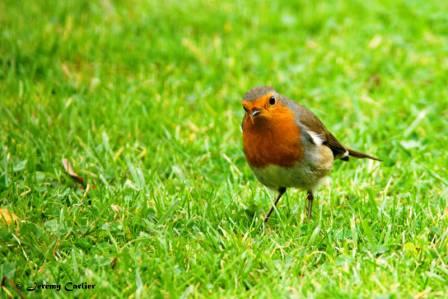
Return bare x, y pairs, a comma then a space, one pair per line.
360, 155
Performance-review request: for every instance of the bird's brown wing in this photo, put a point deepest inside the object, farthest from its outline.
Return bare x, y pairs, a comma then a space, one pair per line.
316, 133
313, 125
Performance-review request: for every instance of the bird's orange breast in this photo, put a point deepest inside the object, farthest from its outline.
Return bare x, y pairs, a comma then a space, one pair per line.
274, 140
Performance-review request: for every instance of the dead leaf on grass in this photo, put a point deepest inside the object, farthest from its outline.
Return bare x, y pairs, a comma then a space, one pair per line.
77, 178
69, 169
116, 208
8, 217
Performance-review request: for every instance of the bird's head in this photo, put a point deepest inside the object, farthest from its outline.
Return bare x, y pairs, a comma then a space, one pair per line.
263, 104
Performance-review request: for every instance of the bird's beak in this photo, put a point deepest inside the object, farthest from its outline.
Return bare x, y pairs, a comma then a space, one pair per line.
254, 113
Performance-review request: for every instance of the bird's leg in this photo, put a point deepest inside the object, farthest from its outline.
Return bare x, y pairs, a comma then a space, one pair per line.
310, 198
281, 191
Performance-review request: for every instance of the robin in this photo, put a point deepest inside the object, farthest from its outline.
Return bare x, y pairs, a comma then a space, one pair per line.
286, 145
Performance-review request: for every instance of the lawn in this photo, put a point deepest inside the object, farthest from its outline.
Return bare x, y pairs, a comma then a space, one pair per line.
143, 98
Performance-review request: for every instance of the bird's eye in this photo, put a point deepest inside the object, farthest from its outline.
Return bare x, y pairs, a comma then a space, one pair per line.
272, 100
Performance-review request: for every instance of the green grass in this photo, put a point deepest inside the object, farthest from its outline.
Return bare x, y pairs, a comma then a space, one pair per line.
144, 99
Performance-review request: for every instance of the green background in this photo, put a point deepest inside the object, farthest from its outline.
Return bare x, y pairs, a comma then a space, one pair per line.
143, 97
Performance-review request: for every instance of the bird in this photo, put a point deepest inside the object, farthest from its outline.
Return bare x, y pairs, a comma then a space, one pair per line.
287, 146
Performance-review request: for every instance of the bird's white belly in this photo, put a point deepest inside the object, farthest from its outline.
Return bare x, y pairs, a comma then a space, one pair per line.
304, 175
